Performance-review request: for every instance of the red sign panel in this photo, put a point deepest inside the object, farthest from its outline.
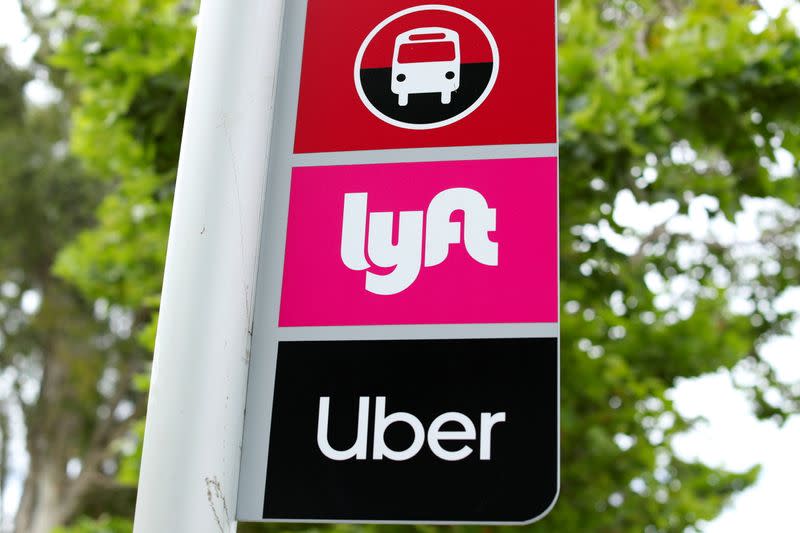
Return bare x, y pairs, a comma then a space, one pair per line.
370, 70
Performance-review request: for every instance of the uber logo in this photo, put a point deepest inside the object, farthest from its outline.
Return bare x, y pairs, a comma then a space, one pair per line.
436, 433
406, 256
415, 430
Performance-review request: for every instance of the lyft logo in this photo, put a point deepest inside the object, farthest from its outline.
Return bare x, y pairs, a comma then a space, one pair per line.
368, 238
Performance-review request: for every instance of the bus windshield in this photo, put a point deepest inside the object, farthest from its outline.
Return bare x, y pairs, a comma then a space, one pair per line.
427, 52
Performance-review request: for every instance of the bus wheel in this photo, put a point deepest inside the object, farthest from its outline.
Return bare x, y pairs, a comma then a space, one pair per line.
402, 99
446, 97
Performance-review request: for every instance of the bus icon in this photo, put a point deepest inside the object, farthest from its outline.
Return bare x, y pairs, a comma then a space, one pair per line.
426, 60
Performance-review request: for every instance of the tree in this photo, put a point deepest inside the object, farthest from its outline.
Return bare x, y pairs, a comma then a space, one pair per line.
674, 116
68, 360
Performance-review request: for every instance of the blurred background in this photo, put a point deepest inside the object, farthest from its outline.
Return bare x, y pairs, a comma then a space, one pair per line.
680, 127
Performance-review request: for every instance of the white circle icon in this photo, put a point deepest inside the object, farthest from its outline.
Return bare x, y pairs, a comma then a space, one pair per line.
426, 67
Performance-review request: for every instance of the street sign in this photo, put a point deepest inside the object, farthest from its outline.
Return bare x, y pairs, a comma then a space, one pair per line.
404, 365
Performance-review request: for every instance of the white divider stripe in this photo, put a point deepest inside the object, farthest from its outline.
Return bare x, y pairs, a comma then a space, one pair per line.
428, 331
424, 155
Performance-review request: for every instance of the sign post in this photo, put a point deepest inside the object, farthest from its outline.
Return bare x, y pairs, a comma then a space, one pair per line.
405, 353
189, 472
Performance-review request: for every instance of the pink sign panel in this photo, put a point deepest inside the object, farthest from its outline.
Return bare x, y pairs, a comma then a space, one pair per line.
461, 242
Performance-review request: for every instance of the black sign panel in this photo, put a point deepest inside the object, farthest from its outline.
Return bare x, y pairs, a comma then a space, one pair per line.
419, 431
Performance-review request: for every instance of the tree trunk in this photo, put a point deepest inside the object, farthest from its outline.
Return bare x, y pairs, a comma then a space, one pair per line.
41, 508
61, 425
50, 430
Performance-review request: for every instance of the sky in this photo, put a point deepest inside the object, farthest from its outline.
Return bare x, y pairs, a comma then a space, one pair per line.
731, 437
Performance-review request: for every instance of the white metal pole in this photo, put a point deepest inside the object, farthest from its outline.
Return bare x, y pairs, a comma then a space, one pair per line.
192, 443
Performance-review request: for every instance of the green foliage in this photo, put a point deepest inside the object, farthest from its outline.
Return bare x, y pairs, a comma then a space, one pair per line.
672, 103
133, 71
129, 465
45, 197
102, 525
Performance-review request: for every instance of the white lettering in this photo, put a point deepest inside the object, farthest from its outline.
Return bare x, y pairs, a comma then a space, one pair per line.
354, 228
359, 449
479, 220
379, 447
488, 421
405, 257
436, 433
